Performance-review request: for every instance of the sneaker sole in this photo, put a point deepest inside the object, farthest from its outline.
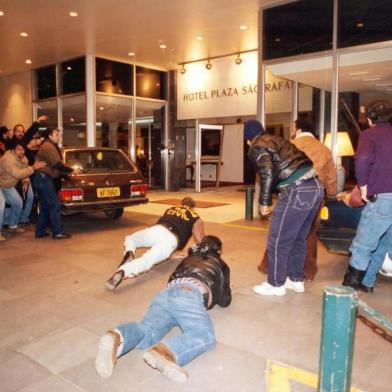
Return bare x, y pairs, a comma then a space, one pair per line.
293, 288
104, 363
277, 294
168, 369
113, 282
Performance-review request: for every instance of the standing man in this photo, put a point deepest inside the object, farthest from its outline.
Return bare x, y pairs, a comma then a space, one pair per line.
50, 206
283, 167
304, 139
201, 281
373, 169
171, 232
14, 168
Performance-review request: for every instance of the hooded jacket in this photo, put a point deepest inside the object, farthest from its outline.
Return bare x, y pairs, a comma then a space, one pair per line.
275, 159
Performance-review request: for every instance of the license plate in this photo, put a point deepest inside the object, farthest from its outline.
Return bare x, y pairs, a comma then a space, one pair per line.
108, 192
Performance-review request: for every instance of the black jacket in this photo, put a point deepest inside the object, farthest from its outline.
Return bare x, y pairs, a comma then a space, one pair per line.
211, 270
275, 159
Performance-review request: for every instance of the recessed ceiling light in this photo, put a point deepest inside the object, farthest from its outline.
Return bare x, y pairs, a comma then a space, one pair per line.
162, 46
360, 24
24, 34
243, 27
101, 108
131, 54
28, 61
199, 38
2, 13
277, 39
69, 68
73, 14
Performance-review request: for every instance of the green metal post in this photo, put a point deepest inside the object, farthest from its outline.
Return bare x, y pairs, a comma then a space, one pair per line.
249, 203
337, 339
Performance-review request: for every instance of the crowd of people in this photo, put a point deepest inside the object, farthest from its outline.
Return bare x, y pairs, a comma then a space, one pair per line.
300, 171
30, 162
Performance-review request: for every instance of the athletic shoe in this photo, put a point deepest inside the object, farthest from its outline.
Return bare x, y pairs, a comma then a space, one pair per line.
107, 353
159, 357
266, 289
298, 287
16, 229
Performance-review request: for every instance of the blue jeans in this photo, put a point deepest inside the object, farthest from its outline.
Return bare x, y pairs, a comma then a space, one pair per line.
15, 201
28, 204
376, 262
375, 222
180, 305
291, 220
2, 209
49, 203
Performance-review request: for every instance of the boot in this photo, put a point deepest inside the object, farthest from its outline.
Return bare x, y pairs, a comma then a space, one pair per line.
129, 256
161, 358
353, 277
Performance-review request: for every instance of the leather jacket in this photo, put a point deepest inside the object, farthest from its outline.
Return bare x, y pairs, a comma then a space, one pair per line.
275, 159
211, 270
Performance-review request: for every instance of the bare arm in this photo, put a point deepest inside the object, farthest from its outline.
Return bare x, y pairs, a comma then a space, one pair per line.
198, 230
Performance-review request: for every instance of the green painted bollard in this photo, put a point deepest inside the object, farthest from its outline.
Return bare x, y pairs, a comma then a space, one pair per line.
337, 339
249, 203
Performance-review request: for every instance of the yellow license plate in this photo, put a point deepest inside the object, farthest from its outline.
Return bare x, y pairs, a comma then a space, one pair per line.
108, 192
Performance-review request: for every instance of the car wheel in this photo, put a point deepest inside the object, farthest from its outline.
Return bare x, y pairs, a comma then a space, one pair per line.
114, 214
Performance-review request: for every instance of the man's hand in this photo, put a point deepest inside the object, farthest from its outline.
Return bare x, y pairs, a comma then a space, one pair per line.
38, 164
42, 119
264, 210
363, 190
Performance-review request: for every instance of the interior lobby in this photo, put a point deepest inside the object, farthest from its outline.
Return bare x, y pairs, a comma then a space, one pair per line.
171, 83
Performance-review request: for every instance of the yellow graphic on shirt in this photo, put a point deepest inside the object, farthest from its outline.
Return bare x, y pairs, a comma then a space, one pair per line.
280, 375
182, 212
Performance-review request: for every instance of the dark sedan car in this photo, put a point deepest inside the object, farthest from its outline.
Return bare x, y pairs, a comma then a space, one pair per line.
109, 181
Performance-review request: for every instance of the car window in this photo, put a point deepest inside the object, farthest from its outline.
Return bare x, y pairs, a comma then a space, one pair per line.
96, 161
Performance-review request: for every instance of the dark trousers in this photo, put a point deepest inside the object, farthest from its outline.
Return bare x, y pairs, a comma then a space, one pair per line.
310, 267
291, 221
49, 203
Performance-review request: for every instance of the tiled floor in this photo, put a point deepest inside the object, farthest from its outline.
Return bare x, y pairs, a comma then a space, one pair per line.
54, 307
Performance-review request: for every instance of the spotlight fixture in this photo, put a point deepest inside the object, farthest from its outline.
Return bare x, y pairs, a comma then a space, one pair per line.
183, 69
131, 54
23, 34
73, 14
243, 27
208, 65
162, 46
28, 61
2, 13
238, 60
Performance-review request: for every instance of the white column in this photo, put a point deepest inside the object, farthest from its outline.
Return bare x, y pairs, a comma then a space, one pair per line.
90, 100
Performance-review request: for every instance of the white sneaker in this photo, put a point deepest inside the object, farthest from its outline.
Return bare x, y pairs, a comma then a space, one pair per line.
298, 287
266, 289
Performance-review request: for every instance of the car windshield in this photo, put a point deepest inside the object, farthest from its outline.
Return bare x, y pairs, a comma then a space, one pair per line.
96, 161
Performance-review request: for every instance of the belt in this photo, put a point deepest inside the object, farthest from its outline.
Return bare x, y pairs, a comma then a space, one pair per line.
294, 184
170, 228
187, 283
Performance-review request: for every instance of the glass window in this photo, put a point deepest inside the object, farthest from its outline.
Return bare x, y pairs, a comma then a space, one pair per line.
46, 82
363, 22
48, 108
114, 119
74, 121
300, 27
73, 75
91, 161
150, 83
114, 77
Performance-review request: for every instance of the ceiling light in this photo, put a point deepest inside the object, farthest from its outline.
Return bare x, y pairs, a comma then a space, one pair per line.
73, 14
131, 54
2, 13
208, 65
69, 68
243, 27
71, 119
28, 61
199, 38
162, 46
23, 34
277, 39
101, 108
360, 24
358, 73
238, 60
372, 79
183, 69
384, 84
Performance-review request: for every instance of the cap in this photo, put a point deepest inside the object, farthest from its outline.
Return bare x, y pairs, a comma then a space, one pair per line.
252, 128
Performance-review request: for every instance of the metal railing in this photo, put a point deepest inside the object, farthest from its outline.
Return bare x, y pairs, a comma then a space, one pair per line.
341, 307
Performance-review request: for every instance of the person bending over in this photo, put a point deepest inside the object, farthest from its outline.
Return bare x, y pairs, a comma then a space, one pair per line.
200, 281
171, 232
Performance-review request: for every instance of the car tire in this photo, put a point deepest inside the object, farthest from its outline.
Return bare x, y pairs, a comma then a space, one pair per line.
114, 214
